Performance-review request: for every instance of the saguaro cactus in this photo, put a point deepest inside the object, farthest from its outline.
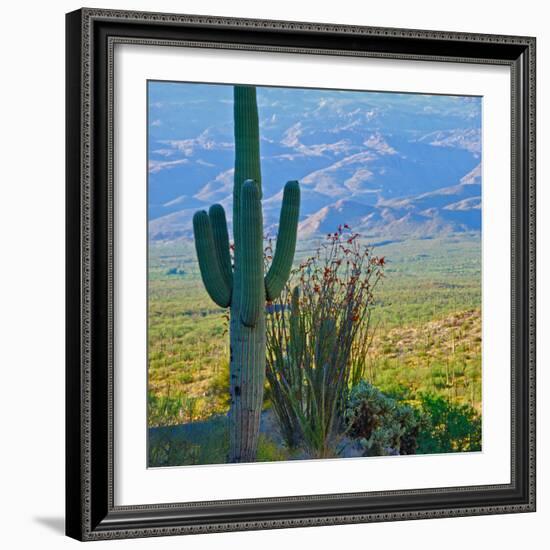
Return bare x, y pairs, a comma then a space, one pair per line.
244, 288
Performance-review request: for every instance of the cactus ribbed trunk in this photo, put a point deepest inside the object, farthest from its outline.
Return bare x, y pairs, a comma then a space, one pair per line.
247, 375
245, 289
247, 340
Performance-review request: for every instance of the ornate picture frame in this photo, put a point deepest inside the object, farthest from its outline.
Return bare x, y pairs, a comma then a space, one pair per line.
91, 509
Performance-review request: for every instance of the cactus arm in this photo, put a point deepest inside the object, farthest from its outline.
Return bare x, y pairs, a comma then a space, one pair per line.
251, 268
279, 271
211, 274
221, 242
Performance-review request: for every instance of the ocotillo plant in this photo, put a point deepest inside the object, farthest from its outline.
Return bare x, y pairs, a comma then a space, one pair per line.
313, 332
243, 287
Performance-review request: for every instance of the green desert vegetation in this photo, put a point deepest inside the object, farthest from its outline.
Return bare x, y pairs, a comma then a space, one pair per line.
424, 350
315, 332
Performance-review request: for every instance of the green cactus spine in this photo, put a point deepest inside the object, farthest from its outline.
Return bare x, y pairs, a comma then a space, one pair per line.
243, 288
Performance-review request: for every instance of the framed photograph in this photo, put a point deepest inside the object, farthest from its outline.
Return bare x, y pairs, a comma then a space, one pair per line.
300, 274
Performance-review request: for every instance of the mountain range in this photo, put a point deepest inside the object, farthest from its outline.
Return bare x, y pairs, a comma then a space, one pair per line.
386, 164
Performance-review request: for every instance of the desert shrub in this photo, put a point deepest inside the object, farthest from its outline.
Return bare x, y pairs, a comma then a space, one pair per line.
170, 409
381, 424
386, 425
269, 451
204, 442
175, 271
165, 451
313, 331
448, 427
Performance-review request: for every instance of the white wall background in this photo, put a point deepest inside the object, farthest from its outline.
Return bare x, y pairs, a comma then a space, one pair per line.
32, 279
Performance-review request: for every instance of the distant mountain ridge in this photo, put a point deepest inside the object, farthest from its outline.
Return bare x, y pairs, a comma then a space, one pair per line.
456, 208
386, 164
446, 210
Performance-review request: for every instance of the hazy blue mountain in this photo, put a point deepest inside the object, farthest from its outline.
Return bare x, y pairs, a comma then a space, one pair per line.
386, 163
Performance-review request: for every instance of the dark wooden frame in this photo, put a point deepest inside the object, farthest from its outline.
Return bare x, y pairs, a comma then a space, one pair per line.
90, 510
